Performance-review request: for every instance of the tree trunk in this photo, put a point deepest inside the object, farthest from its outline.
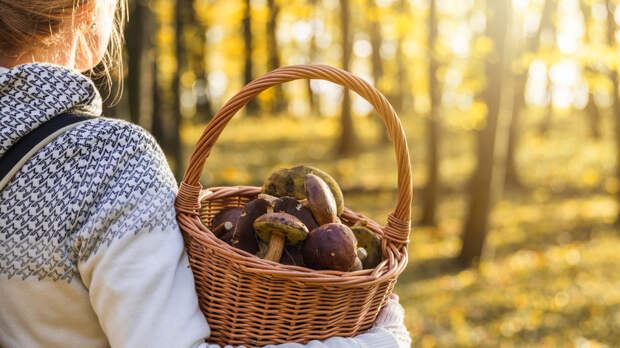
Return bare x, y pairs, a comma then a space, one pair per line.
158, 122
252, 107
403, 94
313, 98
480, 195
140, 52
545, 125
512, 178
175, 145
198, 62
278, 103
613, 75
592, 111
431, 190
376, 39
347, 142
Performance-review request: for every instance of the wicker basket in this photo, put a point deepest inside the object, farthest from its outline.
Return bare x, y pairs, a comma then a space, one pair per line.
256, 302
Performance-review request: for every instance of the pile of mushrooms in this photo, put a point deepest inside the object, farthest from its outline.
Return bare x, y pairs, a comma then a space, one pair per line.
295, 221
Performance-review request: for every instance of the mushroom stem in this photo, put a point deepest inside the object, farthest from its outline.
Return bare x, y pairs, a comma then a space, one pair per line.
269, 198
222, 228
275, 248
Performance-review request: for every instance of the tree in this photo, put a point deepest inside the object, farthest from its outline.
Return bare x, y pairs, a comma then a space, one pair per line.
139, 33
511, 178
403, 93
592, 111
376, 39
615, 105
480, 195
252, 106
313, 98
182, 9
545, 125
197, 59
431, 190
278, 103
347, 140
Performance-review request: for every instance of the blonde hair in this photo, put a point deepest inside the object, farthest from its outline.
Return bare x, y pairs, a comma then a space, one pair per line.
37, 21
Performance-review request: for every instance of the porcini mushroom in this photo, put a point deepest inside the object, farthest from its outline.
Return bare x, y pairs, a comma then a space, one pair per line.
292, 206
223, 228
320, 200
292, 256
230, 214
357, 265
278, 228
290, 182
244, 237
332, 246
370, 242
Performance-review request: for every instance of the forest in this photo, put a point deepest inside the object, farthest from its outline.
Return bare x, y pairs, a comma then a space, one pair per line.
512, 115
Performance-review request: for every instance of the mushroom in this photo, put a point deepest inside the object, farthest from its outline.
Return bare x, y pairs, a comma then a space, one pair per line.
244, 237
223, 228
291, 206
278, 228
357, 265
320, 200
292, 256
362, 254
230, 214
370, 242
290, 182
332, 246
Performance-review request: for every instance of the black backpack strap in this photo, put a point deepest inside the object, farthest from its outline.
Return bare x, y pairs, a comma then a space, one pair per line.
17, 155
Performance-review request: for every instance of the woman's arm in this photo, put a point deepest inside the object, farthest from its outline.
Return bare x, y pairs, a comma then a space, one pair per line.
131, 255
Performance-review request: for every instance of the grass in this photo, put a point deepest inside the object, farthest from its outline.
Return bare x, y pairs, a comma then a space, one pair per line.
549, 273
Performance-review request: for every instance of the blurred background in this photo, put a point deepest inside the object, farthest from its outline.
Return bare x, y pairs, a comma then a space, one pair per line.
513, 120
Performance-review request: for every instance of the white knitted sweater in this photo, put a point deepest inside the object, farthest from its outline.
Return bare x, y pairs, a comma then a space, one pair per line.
90, 251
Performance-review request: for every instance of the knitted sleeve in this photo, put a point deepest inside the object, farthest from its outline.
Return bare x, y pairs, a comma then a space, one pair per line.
131, 255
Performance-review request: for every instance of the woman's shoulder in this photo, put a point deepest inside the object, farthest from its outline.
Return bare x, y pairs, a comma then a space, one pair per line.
115, 146
103, 131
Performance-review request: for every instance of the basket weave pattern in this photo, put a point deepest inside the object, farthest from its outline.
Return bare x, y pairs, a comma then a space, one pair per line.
256, 302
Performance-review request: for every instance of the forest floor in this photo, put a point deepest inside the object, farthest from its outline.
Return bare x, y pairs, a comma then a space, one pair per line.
549, 273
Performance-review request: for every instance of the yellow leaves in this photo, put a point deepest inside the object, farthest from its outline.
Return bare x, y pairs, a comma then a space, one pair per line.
612, 185
472, 119
591, 177
483, 45
188, 78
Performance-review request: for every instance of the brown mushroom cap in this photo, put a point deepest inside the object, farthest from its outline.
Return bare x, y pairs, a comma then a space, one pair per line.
371, 243
244, 237
286, 224
292, 206
332, 246
290, 182
230, 214
320, 200
278, 229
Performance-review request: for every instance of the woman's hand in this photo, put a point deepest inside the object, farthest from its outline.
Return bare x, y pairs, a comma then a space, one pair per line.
391, 318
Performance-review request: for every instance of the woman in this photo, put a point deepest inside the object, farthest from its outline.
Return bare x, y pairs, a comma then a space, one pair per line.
91, 254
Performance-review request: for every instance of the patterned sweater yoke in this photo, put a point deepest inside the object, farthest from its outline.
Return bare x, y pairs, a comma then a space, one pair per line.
90, 251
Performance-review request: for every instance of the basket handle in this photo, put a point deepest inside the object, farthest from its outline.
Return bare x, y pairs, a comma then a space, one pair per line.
399, 221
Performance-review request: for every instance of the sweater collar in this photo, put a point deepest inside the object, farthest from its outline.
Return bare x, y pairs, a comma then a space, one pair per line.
31, 94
